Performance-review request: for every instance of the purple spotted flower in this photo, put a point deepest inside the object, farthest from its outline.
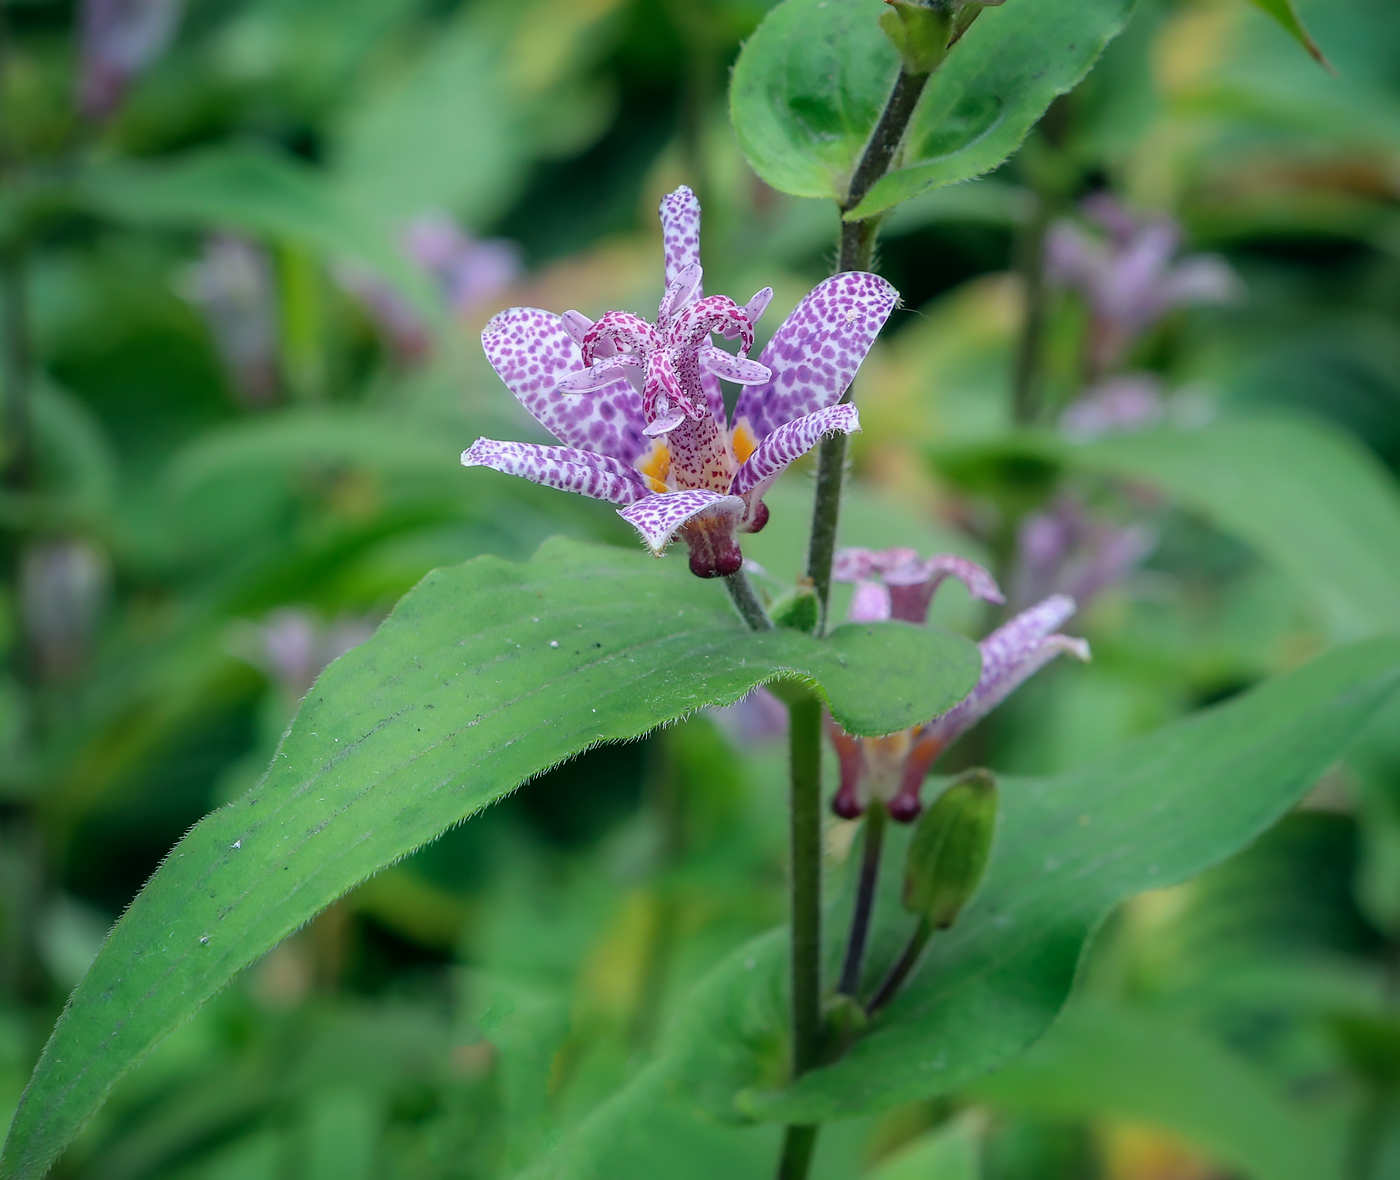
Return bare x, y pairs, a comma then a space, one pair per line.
895, 584
639, 405
118, 41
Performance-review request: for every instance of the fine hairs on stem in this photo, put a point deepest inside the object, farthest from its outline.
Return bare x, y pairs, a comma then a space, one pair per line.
746, 602
875, 819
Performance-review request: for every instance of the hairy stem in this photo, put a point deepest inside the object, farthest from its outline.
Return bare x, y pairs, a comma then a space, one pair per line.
875, 819
857, 250
746, 602
805, 735
900, 971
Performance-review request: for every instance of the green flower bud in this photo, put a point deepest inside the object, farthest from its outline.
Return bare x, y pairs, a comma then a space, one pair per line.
948, 853
798, 610
921, 32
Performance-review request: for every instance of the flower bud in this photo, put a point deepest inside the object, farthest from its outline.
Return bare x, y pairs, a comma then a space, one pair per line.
920, 31
798, 610
948, 853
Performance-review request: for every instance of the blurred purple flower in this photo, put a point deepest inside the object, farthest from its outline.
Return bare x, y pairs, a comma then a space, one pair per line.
1069, 550
1129, 275
893, 583
640, 407
119, 40
1116, 405
754, 719
466, 271
293, 646
232, 286
63, 586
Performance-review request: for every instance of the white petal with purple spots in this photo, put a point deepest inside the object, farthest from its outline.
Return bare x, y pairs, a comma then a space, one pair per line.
565, 468
531, 350
659, 516
816, 352
680, 231
789, 442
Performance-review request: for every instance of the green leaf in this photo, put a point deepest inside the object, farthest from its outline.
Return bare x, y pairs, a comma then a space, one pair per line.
1103, 1059
1305, 495
809, 86
949, 1153
485, 675
1070, 848
1286, 13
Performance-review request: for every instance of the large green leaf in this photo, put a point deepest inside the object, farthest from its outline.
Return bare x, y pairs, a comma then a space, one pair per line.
810, 84
1070, 848
1305, 495
1286, 13
1105, 1059
485, 675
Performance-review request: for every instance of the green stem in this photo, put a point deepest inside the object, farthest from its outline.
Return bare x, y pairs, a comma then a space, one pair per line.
805, 735
857, 251
875, 819
900, 971
798, 1143
746, 602
1031, 265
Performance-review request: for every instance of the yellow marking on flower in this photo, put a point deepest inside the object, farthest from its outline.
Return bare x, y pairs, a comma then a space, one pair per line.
655, 465
743, 441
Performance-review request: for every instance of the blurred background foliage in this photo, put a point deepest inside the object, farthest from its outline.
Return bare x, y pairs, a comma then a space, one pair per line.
247, 252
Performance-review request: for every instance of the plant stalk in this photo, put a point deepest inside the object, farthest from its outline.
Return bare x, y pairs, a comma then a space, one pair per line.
900, 971
798, 1143
1025, 392
746, 602
875, 819
856, 252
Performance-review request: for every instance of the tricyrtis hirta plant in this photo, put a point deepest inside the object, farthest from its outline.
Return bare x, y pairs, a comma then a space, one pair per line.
640, 408
896, 584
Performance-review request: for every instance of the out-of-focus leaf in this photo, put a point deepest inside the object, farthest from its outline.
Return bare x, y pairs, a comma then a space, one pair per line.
810, 84
1070, 848
485, 675
1103, 1059
949, 1153
1286, 13
251, 191
1299, 491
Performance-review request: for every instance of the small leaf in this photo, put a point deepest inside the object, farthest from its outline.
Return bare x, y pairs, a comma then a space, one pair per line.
484, 675
811, 82
1286, 13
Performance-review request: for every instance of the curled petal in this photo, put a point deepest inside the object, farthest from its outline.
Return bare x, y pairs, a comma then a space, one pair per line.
576, 324
913, 585
718, 313
738, 369
816, 352
680, 231
1010, 656
569, 470
789, 442
683, 290
753, 311
596, 376
854, 563
665, 422
658, 517
870, 603
619, 331
531, 350
664, 393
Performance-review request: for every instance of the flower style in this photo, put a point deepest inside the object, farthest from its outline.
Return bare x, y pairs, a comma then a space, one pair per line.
639, 405
894, 583
1130, 276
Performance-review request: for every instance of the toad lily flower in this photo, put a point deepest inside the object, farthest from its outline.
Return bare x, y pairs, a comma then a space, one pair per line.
639, 405
895, 584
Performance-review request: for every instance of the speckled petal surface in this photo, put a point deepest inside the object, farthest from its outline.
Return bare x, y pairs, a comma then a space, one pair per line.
658, 517
565, 468
790, 441
531, 350
680, 231
816, 352
738, 369
1011, 654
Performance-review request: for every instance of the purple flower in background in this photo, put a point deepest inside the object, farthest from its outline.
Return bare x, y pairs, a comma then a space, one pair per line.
466, 271
640, 409
1069, 550
894, 584
1117, 405
1129, 275
118, 40
63, 585
232, 286
293, 646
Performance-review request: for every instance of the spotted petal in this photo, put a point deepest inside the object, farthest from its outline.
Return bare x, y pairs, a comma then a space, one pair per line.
1011, 654
816, 352
531, 350
659, 516
680, 231
569, 470
738, 369
789, 442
